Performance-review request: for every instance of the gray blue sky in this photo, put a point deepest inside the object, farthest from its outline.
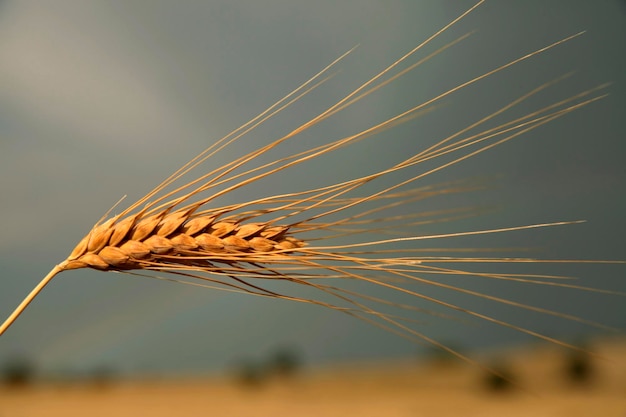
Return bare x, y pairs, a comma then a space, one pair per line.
103, 99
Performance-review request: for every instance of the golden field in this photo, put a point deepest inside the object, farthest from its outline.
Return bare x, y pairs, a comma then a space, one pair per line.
441, 387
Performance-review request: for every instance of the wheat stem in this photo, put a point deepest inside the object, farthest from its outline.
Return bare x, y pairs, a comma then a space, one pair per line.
20, 308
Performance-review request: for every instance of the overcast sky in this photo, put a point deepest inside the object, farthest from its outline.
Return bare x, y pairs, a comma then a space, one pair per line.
103, 99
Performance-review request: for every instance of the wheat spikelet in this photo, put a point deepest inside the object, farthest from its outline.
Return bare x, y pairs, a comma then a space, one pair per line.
296, 237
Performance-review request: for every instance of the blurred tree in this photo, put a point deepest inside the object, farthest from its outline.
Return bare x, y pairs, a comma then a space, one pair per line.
18, 372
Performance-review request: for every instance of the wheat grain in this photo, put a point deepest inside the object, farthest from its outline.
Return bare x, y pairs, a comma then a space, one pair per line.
175, 229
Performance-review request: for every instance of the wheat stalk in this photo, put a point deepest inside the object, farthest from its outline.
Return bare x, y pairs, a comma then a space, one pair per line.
175, 229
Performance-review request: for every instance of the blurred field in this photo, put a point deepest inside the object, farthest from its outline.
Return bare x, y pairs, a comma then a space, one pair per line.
554, 382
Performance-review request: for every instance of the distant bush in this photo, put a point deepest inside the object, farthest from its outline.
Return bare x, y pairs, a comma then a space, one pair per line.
578, 368
249, 373
17, 372
284, 362
499, 381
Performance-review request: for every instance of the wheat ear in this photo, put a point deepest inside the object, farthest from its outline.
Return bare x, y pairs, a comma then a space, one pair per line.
175, 229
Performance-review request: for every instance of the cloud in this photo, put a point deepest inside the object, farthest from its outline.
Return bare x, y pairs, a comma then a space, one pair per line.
64, 70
